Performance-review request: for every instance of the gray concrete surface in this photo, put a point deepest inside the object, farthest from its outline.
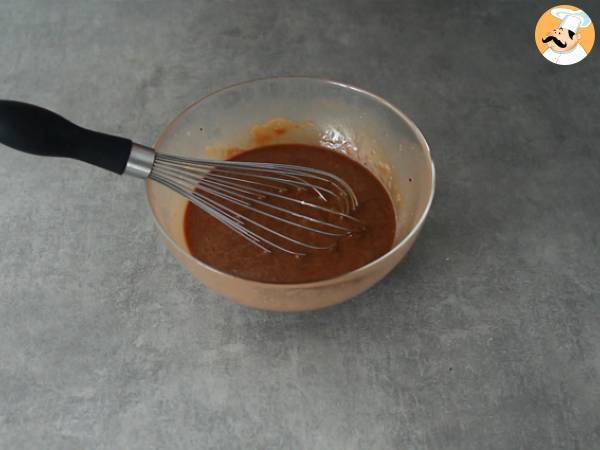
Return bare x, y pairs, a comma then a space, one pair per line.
486, 337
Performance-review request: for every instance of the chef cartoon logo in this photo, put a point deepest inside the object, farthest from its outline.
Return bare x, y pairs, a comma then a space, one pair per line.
564, 35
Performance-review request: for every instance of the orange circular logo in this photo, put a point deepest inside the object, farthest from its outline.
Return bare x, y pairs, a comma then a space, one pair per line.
565, 35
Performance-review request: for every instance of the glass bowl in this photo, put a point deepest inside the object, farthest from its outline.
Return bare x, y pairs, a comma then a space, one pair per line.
309, 111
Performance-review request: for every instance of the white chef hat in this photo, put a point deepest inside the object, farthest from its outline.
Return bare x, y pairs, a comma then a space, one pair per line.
571, 20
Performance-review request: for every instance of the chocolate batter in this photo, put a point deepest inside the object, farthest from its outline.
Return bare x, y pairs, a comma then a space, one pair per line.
216, 245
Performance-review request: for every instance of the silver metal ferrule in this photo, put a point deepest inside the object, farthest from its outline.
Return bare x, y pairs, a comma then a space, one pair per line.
141, 160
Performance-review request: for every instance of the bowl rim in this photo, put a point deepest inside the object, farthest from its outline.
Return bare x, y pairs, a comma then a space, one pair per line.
329, 281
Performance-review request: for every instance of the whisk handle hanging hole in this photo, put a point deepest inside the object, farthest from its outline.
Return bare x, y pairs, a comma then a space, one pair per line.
38, 131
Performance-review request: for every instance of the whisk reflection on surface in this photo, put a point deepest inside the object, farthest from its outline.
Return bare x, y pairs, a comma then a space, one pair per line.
240, 194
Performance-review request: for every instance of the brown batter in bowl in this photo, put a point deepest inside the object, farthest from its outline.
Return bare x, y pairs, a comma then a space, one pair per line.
317, 112
218, 246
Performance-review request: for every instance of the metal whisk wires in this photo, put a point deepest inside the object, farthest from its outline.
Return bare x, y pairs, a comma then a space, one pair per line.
243, 195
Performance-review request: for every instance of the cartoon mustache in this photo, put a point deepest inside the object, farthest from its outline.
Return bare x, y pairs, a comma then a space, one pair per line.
556, 41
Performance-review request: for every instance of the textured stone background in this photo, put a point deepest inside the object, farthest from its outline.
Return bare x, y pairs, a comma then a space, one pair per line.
486, 337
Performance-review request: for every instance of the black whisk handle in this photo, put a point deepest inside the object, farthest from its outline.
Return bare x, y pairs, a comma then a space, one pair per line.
36, 130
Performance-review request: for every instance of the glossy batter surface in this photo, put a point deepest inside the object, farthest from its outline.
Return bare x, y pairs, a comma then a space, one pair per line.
216, 245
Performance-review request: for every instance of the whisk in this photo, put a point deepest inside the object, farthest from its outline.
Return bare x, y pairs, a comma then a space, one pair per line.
277, 207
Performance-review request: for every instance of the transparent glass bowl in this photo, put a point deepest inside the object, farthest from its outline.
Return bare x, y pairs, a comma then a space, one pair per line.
313, 111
